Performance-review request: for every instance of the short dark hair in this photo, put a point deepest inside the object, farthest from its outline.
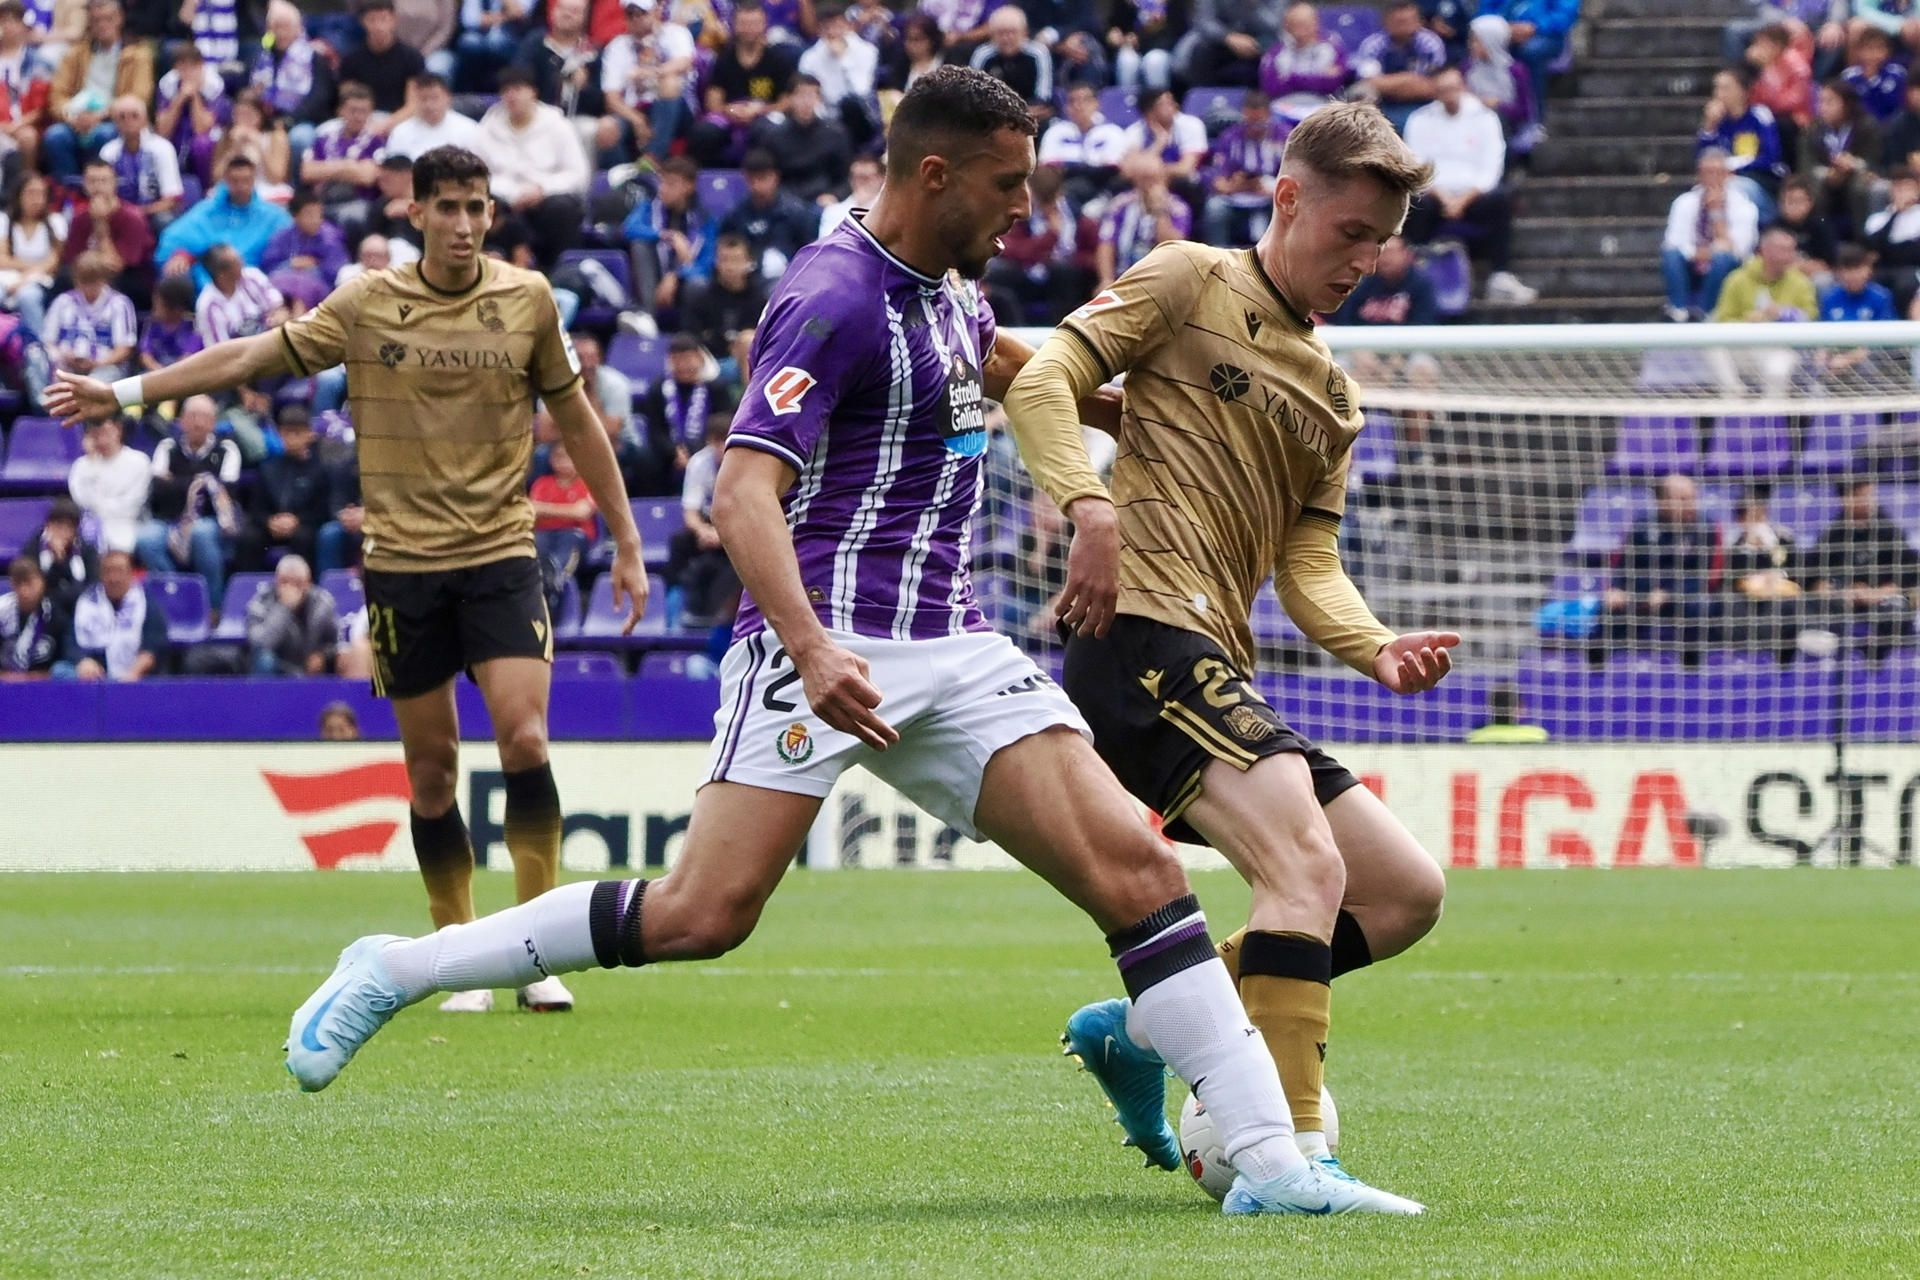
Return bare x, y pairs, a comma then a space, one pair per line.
446, 164
98, 163
177, 52
733, 240
1850, 256
175, 291
294, 414
759, 160
355, 90
216, 254
1798, 182
804, 78
513, 75
429, 80
682, 342
64, 510
22, 568
13, 7
305, 198
238, 160
368, 6
947, 104
680, 167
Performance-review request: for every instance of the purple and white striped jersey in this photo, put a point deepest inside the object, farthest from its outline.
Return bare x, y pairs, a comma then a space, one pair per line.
866, 380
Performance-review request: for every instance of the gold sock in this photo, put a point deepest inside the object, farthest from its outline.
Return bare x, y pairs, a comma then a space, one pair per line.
532, 828
1228, 949
1284, 985
446, 866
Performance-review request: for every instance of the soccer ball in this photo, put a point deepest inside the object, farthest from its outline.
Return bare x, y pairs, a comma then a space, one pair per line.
1206, 1158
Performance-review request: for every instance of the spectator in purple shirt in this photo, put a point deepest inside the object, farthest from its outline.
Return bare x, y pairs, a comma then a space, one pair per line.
343, 164
292, 76
1139, 219
304, 259
192, 107
1732, 122
1240, 170
170, 336
1306, 66
1396, 64
1879, 82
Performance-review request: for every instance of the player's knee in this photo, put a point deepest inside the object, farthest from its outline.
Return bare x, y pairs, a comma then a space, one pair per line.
1145, 880
1308, 864
679, 927
524, 745
433, 779
1422, 898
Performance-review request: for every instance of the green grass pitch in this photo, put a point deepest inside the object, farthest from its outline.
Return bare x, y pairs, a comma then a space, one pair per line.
1633, 1074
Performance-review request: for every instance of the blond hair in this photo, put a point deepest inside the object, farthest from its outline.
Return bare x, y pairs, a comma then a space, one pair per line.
1346, 139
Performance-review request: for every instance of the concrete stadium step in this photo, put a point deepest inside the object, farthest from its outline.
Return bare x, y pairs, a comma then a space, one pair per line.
1662, 37
1637, 77
1637, 116
1590, 277
1573, 310
1628, 239
1572, 157
1607, 11
1595, 196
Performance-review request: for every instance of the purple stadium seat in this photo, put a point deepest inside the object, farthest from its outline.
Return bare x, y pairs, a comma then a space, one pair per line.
1655, 446
18, 518
183, 598
1352, 23
348, 591
1666, 701
1605, 519
1120, 106
658, 520
39, 454
1452, 278
596, 310
1806, 510
643, 360
1272, 628
233, 610
1745, 445
1901, 502
1374, 459
1834, 440
1663, 370
1571, 584
588, 664
603, 622
566, 615
1216, 107
722, 189
1883, 702
659, 664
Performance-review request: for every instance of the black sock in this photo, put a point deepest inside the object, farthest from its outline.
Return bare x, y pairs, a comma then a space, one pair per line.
616, 930
1350, 949
446, 865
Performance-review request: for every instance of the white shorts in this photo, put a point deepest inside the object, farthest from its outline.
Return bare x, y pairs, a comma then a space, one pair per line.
955, 701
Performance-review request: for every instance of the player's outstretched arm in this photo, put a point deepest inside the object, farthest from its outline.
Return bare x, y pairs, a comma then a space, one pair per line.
1321, 599
592, 454
74, 398
753, 527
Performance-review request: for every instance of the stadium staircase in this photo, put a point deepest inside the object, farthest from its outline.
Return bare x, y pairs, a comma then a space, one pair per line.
1619, 148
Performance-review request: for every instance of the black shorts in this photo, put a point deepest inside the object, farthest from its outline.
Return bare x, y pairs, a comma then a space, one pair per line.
426, 628
1164, 702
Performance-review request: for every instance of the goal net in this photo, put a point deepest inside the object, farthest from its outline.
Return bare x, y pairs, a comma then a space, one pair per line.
1660, 542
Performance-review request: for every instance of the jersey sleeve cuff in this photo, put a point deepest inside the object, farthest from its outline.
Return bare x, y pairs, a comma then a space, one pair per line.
765, 445
1106, 369
562, 389
293, 354
1320, 513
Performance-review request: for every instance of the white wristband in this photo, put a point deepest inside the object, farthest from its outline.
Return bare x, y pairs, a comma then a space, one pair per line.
127, 392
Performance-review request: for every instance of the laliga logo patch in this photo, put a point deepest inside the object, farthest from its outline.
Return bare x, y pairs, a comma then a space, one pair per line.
787, 388
1099, 302
795, 744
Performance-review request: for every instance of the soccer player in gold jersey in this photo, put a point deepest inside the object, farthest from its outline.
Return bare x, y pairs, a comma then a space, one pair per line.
1233, 456
445, 359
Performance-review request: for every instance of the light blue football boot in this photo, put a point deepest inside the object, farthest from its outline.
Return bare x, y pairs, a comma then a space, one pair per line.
1134, 1079
343, 1014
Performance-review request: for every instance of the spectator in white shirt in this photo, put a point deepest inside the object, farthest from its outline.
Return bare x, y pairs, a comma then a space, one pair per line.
1176, 139
866, 177
644, 74
1712, 228
540, 170
146, 167
89, 329
1461, 137
1011, 56
1085, 147
238, 302
110, 482
845, 66
434, 123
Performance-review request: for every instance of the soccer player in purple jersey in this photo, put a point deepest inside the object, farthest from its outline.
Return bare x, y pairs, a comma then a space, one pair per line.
843, 498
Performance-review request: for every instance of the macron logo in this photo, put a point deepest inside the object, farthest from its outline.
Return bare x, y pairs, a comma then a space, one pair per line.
319, 793
787, 388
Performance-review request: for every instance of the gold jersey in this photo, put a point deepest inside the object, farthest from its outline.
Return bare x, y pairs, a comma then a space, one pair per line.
1237, 426
442, 387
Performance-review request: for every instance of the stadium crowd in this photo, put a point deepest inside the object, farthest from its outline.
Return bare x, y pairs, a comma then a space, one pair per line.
1813, 128
181, 172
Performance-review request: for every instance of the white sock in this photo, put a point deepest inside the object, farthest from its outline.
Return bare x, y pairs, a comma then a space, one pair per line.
1194, 1020
509, 948
1312, 1144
